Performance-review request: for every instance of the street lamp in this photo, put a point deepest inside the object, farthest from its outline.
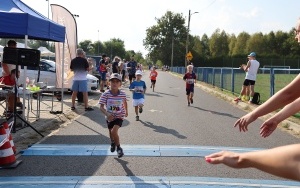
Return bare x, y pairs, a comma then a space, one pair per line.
48, 8
98, 42
187, 37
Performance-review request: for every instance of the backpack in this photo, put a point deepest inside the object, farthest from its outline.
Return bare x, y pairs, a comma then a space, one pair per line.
256, 98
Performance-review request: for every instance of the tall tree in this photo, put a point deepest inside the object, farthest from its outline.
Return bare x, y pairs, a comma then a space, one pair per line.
232, 41
159, 38
219, 44
240, 45
257, 43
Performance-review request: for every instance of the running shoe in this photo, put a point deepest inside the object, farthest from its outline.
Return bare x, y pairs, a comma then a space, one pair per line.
112, 147
137, 118
120, 152
140, 109
237, 99
192, 101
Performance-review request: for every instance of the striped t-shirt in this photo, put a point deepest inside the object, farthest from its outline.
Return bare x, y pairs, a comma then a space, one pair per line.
114, 103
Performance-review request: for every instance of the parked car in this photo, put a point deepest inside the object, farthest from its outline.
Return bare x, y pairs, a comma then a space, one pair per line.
48, 74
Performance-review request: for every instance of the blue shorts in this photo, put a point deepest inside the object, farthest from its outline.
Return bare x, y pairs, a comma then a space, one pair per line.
80, 85
103, 76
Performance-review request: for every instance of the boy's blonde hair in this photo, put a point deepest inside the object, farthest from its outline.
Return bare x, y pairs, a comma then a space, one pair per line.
189, 67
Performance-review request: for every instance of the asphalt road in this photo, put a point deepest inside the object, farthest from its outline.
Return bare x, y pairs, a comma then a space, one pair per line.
166, 120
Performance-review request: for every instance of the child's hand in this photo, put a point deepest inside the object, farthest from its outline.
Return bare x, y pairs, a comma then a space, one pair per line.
126, 114
110, 117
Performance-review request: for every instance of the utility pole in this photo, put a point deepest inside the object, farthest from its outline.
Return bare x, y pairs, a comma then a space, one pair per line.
187, 37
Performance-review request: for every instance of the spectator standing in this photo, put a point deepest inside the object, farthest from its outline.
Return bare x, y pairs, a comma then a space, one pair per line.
103, 70
131, 67
80, 66
6, 68
251, 72
115, 65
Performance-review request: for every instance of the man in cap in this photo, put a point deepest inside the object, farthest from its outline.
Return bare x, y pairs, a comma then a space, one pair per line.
251, 72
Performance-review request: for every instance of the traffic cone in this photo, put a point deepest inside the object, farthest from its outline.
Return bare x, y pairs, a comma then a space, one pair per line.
6, 127
7, 156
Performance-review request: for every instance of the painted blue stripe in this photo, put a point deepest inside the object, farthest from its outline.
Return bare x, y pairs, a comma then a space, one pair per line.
138, 181
129, 150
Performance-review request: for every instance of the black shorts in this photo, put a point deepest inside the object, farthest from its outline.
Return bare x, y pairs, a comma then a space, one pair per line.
249, 82
153, 81
117, 121
189, 90
131, 76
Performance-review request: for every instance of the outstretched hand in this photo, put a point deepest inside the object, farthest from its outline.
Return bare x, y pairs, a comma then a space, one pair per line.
268, 127
225, 157
244, 121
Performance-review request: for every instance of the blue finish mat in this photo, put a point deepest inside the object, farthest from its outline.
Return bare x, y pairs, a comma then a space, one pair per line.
138, 181
129, 150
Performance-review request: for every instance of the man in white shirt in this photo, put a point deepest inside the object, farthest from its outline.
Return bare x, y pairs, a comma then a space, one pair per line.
251, 71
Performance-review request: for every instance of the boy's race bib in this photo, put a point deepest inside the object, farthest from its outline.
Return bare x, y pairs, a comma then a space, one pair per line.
114, 106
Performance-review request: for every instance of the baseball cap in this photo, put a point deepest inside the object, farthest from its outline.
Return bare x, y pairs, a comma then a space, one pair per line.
252, 54
138, 72
115, 76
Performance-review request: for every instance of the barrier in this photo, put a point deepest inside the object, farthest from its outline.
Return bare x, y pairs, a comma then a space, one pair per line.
7, 156
8, 132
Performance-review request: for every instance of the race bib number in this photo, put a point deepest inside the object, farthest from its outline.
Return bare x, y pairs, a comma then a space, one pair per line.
190, 81
139, 89
114, 106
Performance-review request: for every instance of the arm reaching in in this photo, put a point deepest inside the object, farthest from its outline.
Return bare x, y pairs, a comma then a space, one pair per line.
283, 97
281, 161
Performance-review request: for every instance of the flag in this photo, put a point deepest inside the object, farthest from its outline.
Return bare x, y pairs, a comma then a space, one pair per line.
62, 16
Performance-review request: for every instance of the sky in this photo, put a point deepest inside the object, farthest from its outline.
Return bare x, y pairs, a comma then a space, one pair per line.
128, 19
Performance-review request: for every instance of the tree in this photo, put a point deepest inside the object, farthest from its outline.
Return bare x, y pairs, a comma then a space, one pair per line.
257, 43
86, 45
232, 41
159, 38
205, 46
219, 44
240, 45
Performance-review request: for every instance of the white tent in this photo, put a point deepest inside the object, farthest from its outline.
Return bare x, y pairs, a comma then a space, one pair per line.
46, 52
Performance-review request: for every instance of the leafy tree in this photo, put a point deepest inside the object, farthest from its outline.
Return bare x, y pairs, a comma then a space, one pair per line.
240, 45
232, 41
159, 37
219, 44
86, 45
205, 46
257, 43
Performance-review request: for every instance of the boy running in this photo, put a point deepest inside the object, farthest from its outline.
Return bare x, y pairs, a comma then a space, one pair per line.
138, 87
153, 75
115, 111
190, 79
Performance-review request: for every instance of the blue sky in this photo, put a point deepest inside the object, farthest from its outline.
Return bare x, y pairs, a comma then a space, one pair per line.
129, 19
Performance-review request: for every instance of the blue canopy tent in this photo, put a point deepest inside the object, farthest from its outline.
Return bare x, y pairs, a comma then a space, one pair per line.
17, 20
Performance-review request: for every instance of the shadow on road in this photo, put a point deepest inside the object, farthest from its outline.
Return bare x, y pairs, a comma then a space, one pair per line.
134, 178
161, 129
217, 113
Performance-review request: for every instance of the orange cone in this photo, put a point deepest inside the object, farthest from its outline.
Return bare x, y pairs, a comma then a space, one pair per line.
7, 156
6, 127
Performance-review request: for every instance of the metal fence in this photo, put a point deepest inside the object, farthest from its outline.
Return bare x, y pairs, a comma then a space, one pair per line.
268, 82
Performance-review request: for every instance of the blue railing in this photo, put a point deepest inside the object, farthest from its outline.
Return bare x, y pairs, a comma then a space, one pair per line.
269, 80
